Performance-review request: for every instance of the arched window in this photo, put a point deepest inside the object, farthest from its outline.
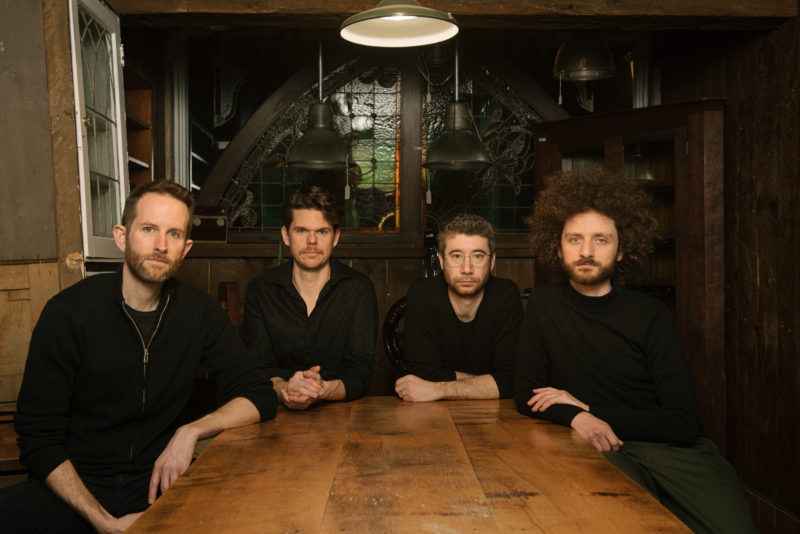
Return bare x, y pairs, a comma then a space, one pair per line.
389, 108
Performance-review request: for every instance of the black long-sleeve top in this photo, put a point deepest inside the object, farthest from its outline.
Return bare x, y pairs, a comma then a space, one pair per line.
437, 344
339, 335
619, 353
93, 395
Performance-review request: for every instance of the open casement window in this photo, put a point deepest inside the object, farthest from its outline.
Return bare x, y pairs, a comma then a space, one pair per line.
389, 109
99, 113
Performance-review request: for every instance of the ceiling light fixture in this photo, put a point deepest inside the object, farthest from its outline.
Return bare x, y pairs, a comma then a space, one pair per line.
320, 147
399, 23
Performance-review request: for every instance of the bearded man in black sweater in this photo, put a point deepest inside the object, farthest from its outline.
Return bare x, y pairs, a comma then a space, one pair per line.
607, 361
110, 368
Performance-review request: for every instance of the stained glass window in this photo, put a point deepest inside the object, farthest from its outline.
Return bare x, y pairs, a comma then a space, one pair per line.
502, 193
366, 110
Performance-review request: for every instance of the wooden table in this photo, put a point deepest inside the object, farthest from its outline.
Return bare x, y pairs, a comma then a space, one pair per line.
382, 465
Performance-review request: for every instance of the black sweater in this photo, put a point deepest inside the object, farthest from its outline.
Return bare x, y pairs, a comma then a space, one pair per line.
339, 335
619, 353
89, 394
437, 344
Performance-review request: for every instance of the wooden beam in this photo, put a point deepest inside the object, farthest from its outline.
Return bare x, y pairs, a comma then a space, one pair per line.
472, 13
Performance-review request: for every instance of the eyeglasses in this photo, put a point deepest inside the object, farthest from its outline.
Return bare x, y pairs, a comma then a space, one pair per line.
476, 259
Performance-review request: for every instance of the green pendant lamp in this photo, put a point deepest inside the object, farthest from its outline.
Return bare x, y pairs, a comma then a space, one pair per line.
321, 147
458, 146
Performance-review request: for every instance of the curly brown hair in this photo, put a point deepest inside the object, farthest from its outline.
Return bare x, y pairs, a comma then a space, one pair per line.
611, 193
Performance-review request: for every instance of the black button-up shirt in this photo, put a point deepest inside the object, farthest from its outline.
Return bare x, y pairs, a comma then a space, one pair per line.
339, 335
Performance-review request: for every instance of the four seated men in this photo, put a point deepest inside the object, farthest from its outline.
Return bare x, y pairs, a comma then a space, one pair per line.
461, 328
112, 359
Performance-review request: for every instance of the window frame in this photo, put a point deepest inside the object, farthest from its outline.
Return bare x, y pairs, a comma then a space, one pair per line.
98, 247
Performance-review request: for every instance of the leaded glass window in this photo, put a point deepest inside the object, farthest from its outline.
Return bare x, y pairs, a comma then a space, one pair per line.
502, 193
101, 123
97, 77
366, 108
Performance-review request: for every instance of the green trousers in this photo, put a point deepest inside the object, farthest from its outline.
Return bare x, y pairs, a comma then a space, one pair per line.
695, 483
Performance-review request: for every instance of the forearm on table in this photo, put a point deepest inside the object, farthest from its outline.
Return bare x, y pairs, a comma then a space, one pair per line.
234, 413
470, 387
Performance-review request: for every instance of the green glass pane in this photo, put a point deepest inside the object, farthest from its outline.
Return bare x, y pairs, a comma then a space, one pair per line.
273, 194
385, 173
363, 151
385, 149
271, 216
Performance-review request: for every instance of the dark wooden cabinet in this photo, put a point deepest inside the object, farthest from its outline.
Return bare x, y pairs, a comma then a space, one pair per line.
138, 125
675, 152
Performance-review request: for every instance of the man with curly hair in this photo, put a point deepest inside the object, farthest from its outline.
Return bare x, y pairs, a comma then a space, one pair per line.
607, 361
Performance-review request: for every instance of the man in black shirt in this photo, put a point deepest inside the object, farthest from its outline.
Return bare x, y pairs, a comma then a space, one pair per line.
110, 368
461, 329
607, 360
314, 320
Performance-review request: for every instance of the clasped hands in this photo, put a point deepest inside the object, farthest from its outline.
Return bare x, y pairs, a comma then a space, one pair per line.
593, 429
303, 389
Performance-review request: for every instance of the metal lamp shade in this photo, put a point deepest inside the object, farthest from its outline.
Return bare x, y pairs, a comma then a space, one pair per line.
458, 147
399, 23
320, 148
584, 57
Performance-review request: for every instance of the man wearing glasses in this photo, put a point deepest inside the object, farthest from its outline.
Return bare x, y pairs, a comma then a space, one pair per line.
461, 328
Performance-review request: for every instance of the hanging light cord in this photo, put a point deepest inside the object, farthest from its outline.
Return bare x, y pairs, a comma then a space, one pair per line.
320, 70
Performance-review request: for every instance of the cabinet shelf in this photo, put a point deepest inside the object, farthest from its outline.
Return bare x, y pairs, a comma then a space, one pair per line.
138, 163
135, 123
138, 117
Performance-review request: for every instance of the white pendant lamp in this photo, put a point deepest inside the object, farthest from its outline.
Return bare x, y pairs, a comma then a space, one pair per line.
399, 23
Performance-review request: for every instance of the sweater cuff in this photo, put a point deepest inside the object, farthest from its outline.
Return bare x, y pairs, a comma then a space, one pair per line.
43, 461
266, 403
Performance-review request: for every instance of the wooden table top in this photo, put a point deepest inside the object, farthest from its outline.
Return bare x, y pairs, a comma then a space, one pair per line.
382, 465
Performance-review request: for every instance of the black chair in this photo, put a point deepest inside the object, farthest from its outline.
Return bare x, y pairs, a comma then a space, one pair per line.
393, 335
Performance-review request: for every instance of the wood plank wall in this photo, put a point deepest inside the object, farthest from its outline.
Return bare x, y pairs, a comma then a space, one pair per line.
759, 74
391, 277
24, 290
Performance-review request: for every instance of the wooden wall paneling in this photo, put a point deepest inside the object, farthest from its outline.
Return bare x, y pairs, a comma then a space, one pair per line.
43, 280
63, 138
391, 278
237, 270
24, 290
196, 272
477, 13
762, 158
15, 328
786, 242
27, 220
520, 270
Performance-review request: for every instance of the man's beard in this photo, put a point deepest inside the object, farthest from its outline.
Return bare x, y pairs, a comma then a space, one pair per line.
605, 272
480, 284
138, 266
